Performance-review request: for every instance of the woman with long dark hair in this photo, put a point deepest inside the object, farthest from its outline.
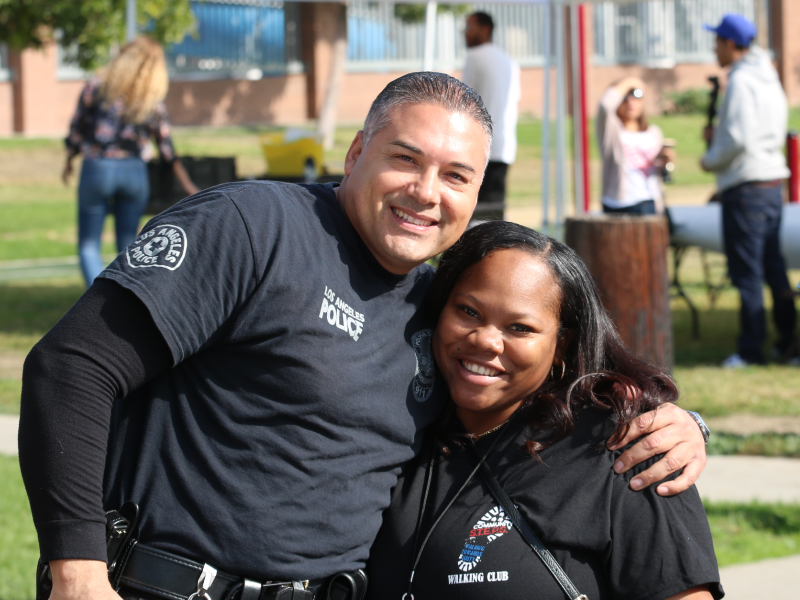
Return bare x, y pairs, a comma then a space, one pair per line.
540, 384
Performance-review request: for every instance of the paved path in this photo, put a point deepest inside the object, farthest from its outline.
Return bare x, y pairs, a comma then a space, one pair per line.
746, 424
735, 478
8, 434
746, 478
39, 268
776, 579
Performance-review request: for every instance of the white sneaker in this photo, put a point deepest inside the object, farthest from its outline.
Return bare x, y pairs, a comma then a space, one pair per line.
734, 361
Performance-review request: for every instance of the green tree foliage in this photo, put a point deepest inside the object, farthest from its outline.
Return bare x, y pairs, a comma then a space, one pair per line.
89, 28
415, 13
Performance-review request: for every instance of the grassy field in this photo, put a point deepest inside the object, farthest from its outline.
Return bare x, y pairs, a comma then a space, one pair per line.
741, 532
39, 222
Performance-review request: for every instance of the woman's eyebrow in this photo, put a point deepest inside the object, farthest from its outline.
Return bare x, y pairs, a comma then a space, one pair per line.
525, 316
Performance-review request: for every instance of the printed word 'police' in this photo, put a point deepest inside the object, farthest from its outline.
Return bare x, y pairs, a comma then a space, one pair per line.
341, 314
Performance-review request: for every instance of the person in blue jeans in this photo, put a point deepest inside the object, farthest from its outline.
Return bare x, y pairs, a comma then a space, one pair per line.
118, 113
746, 153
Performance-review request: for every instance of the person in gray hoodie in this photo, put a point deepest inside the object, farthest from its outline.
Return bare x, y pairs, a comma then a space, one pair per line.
746, 153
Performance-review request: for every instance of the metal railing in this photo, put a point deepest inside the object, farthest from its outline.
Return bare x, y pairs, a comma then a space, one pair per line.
5, 71
660, 33
380, 41
251, 38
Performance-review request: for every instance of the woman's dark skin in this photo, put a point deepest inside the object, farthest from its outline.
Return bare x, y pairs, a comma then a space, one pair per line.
499, 339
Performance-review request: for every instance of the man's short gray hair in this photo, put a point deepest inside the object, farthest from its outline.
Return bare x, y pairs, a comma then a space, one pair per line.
427, 88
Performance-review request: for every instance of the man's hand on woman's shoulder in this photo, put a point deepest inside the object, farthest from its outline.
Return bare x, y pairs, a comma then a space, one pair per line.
672, 432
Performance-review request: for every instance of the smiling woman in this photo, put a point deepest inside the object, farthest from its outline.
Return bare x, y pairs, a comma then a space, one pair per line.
539, 382
498, 336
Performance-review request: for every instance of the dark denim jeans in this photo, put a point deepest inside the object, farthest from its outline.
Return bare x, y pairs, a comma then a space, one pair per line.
645, 207
109, 184
751, 220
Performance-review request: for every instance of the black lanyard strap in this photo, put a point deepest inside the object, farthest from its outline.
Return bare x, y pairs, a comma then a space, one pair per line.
533, 540
429, 476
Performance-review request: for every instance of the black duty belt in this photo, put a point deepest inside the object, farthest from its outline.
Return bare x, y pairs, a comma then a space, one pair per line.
172, 577
164, 575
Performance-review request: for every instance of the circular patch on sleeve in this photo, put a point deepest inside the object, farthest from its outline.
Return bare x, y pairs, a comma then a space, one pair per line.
425, 375
162, 246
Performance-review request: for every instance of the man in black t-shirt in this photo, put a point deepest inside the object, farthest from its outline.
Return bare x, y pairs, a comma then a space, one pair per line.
254, 369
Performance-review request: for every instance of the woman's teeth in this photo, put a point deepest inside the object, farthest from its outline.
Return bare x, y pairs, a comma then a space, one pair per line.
410, 219
479, 370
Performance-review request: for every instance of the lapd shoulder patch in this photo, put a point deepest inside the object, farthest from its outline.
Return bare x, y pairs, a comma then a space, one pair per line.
162, 246
424, 378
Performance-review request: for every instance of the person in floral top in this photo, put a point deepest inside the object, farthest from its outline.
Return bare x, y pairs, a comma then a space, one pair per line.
119, 112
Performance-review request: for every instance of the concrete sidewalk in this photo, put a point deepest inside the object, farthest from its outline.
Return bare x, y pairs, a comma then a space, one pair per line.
731, 478
776, 579
746, 478
8, 434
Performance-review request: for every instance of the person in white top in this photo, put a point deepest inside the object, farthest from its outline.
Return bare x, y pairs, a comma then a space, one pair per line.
633, 151
495, 77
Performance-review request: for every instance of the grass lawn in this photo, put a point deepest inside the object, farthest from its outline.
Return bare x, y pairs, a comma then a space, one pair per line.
27, 311
19, 549
39, 222
749, 532
705, 387
741, 532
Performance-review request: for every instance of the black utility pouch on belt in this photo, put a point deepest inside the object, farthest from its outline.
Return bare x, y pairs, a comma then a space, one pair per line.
120, 538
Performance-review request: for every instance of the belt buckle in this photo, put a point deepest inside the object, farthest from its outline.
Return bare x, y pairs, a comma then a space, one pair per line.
204, 583
289, 590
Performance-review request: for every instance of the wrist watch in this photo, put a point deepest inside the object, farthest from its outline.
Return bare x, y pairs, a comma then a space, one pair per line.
701, 424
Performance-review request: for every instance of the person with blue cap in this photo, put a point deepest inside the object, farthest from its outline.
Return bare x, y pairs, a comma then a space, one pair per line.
746, 153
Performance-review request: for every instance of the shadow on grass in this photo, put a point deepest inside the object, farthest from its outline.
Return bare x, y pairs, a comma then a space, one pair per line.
718, 331
19, 549
32, 309
775, 518
749, 532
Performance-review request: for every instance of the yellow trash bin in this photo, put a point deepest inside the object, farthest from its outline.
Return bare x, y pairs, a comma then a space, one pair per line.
293, 153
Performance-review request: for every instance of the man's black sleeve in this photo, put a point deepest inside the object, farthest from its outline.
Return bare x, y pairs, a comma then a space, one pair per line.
106, 346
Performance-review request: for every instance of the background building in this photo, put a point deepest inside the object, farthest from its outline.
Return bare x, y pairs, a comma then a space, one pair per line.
264, 61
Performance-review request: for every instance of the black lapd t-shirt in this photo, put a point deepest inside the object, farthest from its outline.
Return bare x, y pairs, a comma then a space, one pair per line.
611, 541
302, 376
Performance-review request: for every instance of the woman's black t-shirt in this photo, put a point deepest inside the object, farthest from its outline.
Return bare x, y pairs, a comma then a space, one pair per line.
611, 541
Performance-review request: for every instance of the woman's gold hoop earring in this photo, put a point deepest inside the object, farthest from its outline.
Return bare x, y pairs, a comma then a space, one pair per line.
563, 371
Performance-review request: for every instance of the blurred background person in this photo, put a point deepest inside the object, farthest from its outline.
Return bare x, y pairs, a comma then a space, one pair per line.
632, 150
119, 112
746, 153
490, 71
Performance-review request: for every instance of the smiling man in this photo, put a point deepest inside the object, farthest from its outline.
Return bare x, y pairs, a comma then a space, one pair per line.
256, 388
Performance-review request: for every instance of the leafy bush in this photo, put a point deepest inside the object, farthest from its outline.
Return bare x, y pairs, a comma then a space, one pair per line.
759, 444
688, 102
415, 13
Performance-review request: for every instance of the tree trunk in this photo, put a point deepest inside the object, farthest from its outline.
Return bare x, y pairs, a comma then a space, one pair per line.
627, 256
326, 125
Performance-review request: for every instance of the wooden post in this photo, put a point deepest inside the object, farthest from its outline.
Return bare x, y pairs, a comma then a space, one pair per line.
627, 256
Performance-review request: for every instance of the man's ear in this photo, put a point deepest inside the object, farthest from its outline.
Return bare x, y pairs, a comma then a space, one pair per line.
356, 147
